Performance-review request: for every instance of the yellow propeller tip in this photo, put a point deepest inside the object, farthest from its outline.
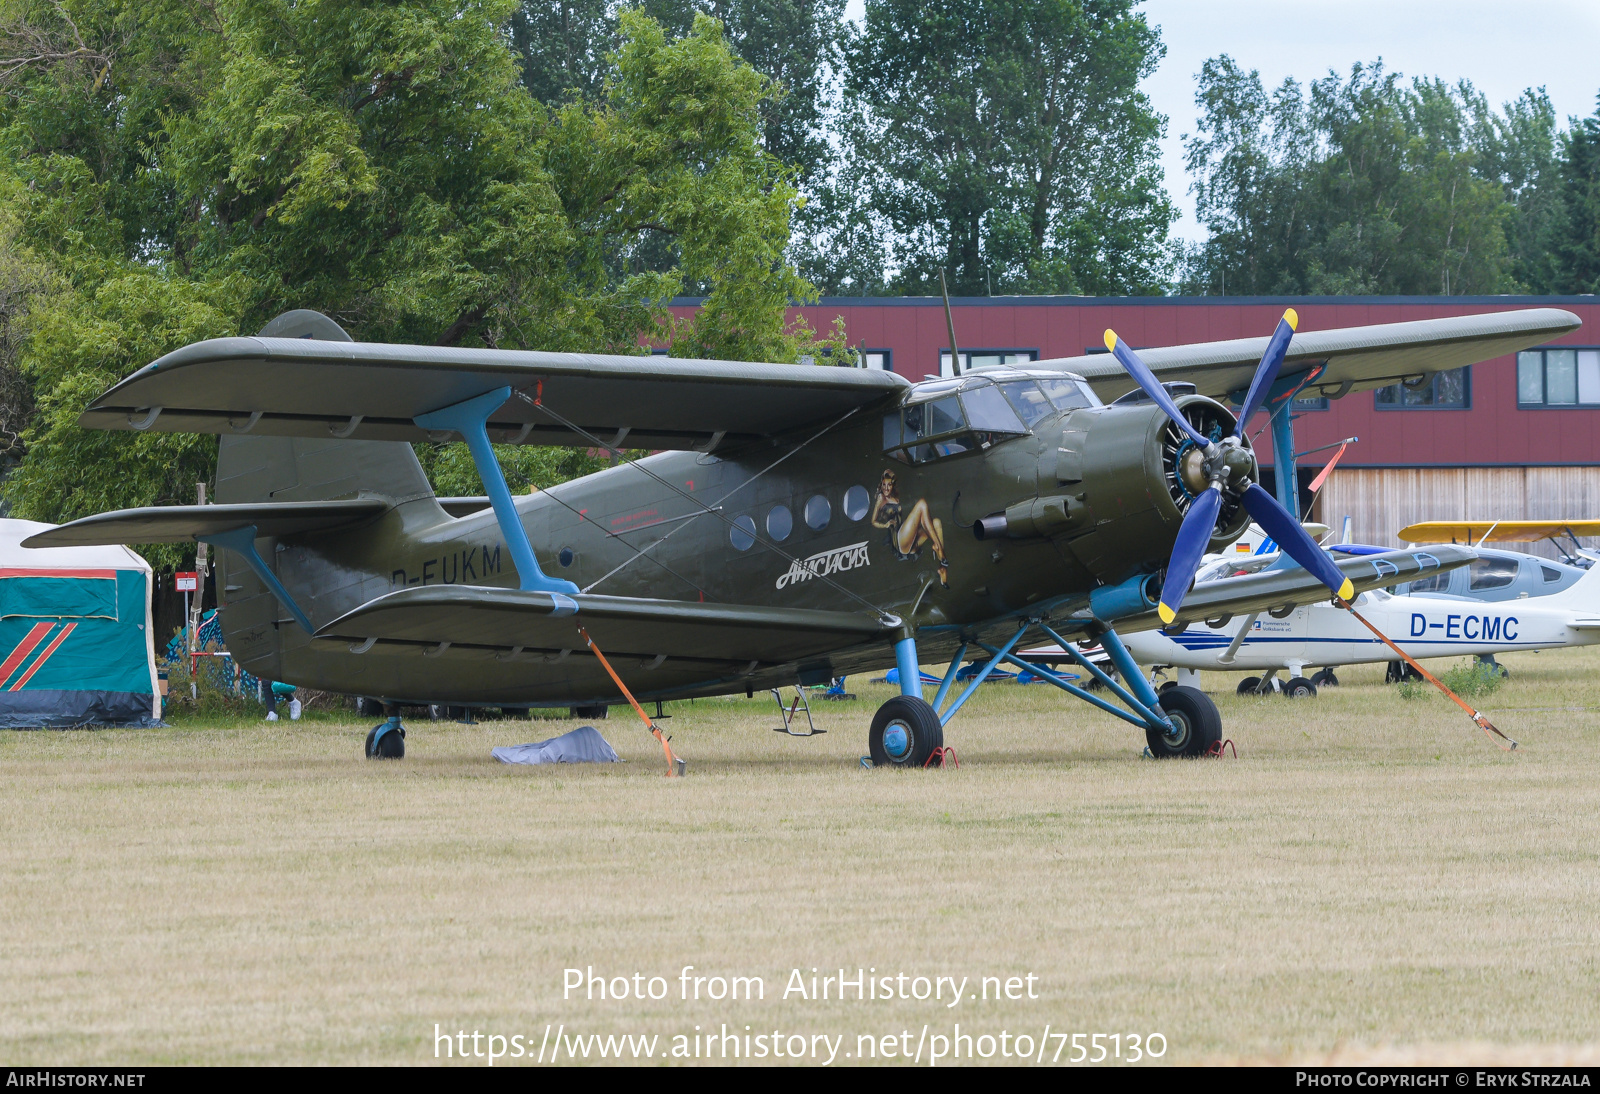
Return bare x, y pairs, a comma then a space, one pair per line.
1111, 339
1168, 615
1347, 591
1292, 317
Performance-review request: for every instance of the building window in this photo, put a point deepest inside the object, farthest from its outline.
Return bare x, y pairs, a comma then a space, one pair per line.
981, 358
1448, 390
882, 359
1564, 377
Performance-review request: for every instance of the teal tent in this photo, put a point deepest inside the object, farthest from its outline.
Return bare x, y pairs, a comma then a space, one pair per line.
76, 637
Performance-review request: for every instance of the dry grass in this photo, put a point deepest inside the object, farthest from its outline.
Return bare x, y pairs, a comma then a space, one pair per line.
1371, 879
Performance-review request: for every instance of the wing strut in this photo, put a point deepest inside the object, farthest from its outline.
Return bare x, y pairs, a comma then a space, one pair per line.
242, 541
470, 419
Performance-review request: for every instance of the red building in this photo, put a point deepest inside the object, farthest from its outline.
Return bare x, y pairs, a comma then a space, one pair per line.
1503, 439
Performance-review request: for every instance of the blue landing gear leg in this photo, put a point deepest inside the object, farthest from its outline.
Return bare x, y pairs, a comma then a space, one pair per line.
387, 741
906, 732
1180, 722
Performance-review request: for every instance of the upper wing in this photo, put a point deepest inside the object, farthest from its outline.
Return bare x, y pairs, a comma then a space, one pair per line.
1280, 588
1352, 358
1496, 531
306, 387
505, 619
185, 523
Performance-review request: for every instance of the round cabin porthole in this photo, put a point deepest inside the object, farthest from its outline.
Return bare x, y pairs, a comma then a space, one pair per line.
743, 533
780, 522
565, 557
856, 501
817, 513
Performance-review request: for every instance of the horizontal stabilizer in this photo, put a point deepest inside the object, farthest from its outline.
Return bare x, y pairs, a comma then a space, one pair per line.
507, 619
1351, 358
299, 387
1274, 589
186, 523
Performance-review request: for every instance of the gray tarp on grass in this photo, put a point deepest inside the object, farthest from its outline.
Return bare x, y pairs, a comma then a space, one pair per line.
583, 745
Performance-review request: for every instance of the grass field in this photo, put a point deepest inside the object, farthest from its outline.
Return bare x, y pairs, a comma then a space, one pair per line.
1371, 876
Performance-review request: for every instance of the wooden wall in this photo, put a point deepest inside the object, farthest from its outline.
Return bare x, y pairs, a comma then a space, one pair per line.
1381, 501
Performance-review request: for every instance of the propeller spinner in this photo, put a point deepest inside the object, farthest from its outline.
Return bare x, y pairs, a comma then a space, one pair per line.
1224, 467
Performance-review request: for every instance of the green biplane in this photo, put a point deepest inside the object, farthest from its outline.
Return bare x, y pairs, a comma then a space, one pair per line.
796, 523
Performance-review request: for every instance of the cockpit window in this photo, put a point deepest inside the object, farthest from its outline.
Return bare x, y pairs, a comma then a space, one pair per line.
987, 409
1433, 583
1066, 393
1028, 399
1491, 573
932, 419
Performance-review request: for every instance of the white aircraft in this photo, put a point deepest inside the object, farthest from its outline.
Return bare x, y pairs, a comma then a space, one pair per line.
1322, 635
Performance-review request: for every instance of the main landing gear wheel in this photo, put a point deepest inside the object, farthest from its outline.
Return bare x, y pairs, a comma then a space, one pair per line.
597, 711
1196, 725
1325, 679
387, 741
904, 733
1299, 688
1399, 672
1250, 685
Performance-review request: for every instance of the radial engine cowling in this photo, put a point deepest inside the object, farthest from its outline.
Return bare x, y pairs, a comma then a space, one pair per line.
1115, 488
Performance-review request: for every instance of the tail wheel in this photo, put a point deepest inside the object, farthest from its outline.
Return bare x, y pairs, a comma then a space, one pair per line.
904, 733
1299, 688
1196, 725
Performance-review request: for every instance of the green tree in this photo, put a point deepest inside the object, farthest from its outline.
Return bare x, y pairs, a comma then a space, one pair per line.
1577, 231
173, 170
1007, 143
1362, 185
564, 46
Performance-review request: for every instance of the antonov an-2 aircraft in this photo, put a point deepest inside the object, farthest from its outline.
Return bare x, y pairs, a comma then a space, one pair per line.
796, 523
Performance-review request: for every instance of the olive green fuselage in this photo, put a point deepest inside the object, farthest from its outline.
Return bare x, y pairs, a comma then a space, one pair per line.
1088, 493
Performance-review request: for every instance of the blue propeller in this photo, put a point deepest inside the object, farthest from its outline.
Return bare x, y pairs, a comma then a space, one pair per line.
1228, 466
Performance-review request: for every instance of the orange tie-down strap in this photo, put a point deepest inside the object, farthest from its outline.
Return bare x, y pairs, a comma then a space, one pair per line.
672, 761
1484, 724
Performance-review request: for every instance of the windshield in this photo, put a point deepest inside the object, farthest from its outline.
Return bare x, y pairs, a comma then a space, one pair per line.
1068, 394
988, 409
1029, 400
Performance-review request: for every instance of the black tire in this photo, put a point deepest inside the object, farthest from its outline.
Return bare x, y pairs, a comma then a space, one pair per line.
597, 711
438, 712
1196, 725
1250, 685
1399, 672
904, 733
1168, 686
391, 746
1325, 679
1299, 688
368, 708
